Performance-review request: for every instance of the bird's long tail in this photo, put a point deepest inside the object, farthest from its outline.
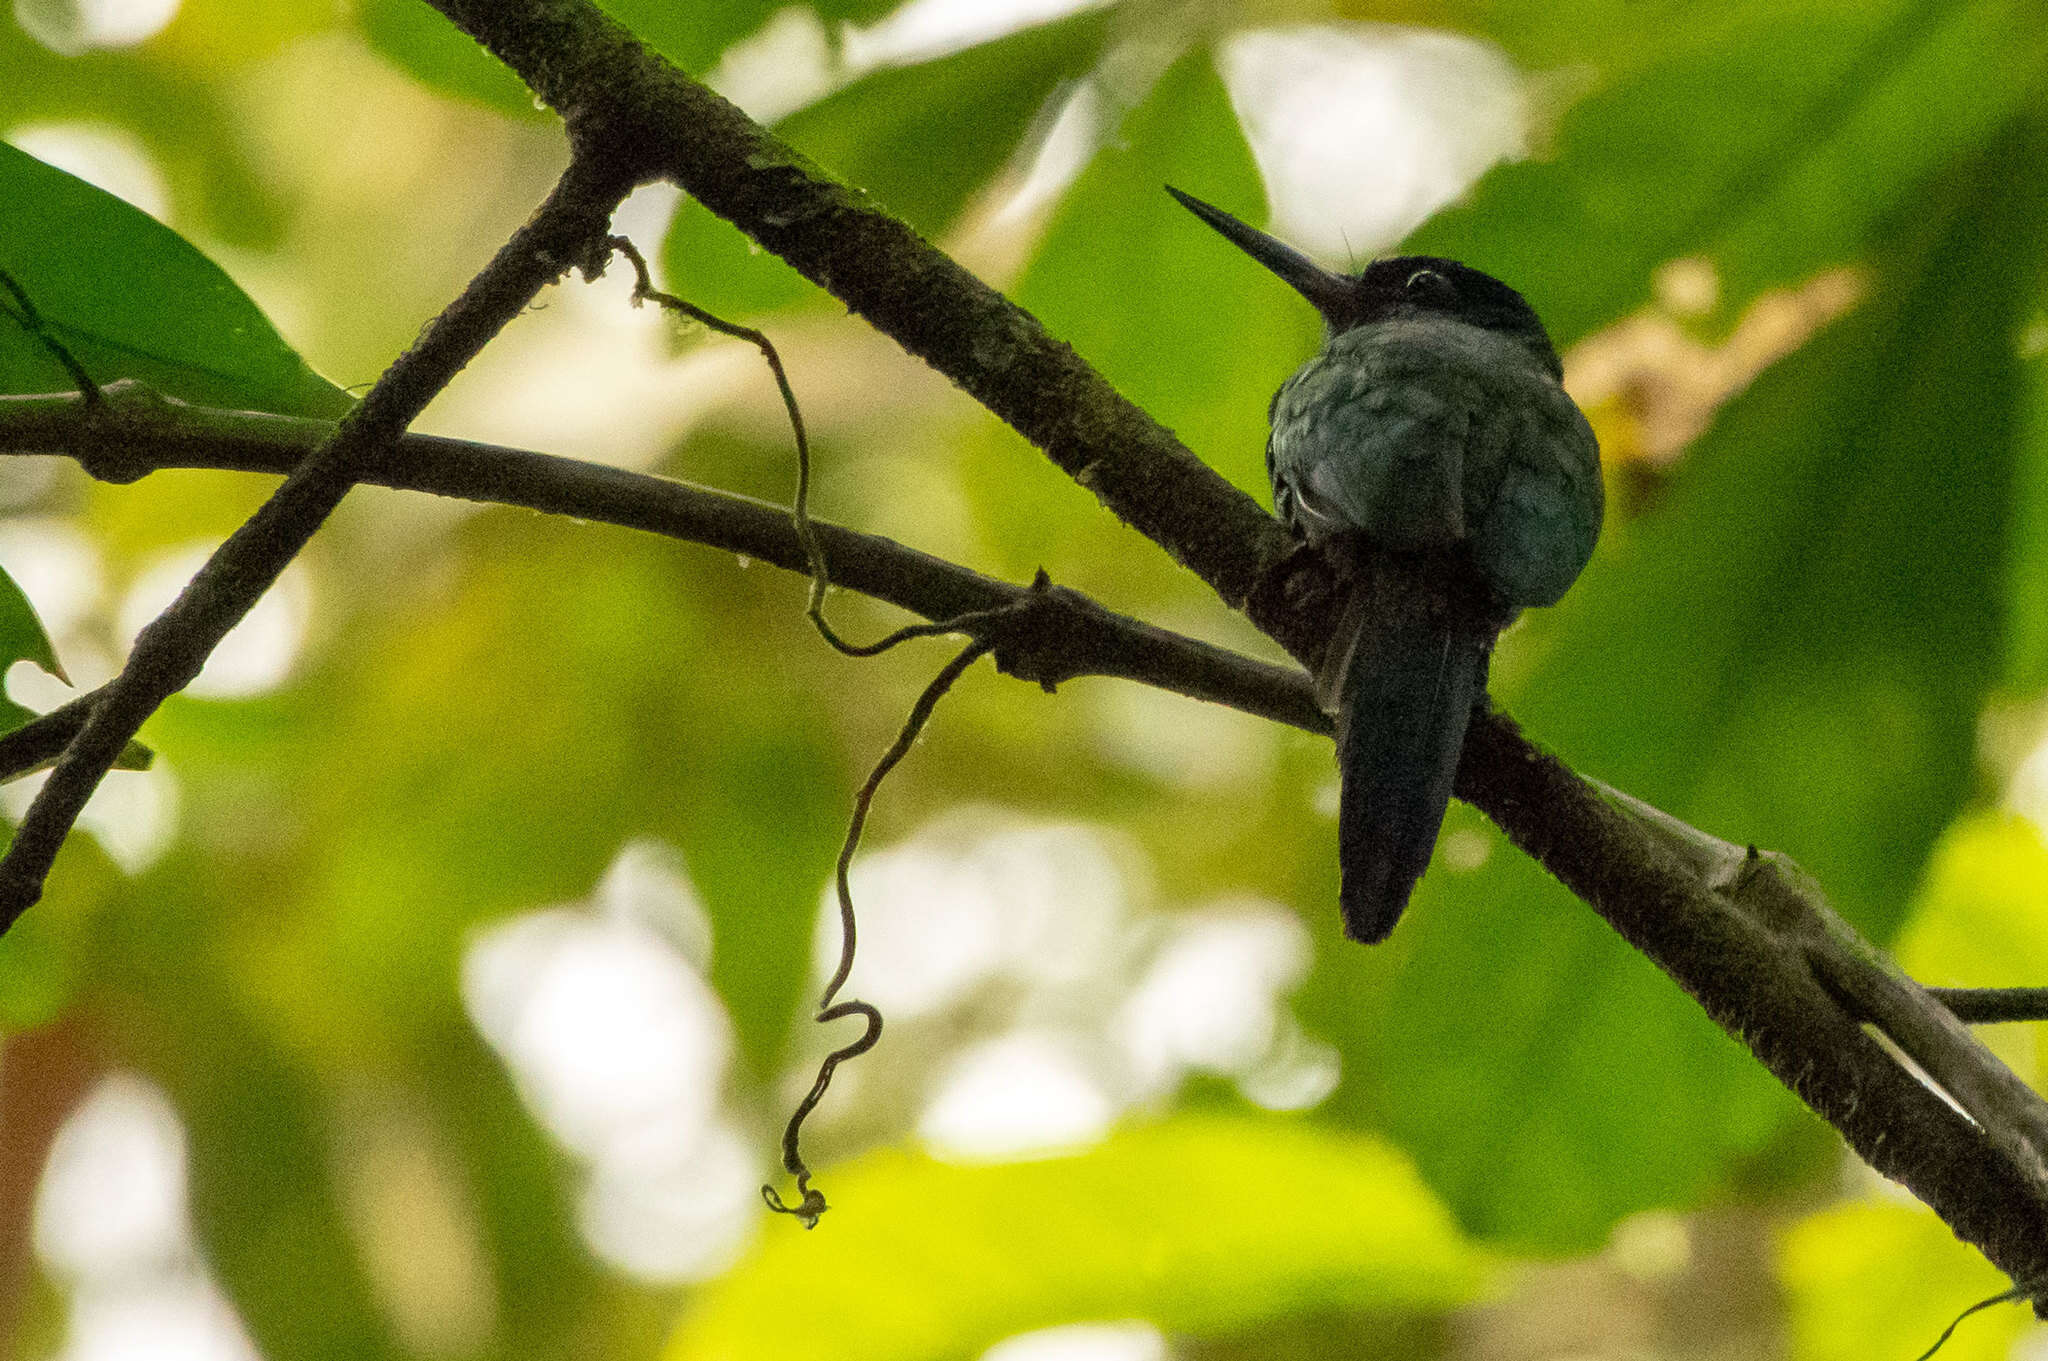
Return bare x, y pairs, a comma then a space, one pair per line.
1405, 695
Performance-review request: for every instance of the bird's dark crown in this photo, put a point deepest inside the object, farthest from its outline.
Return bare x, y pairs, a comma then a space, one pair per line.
1428, 285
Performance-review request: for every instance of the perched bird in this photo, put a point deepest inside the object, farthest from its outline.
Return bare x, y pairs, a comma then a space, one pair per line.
1430, 440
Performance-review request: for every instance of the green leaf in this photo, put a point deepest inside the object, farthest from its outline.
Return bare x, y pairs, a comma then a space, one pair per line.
22, 636
130, 298
1183, 325
1792, 652
1199, 1224
922, 139
1771, 139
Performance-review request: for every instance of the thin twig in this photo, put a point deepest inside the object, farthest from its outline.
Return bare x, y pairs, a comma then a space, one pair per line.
169, 653
1986, 1006
2006, 1297
39, 742
1086, 639
800, 512
31, 321
811, 1202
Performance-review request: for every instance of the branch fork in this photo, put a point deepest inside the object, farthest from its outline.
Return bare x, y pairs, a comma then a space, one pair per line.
1744, 932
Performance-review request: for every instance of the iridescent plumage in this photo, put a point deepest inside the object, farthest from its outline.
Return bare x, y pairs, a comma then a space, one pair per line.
1433, 422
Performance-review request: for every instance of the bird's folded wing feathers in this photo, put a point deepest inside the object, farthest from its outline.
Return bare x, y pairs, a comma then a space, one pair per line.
1384, 458
1537, 529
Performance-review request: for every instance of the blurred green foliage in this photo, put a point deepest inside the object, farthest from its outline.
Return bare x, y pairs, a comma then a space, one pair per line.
130, 299
1820, 628
1174, 1222
1864, 1276
886, 132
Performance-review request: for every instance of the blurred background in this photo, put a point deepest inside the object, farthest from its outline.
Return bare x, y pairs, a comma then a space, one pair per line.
442, 988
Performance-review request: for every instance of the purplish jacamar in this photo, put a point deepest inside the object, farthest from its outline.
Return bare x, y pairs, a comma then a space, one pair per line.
1431, 432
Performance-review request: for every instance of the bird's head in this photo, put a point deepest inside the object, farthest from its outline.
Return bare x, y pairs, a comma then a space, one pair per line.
1401, 287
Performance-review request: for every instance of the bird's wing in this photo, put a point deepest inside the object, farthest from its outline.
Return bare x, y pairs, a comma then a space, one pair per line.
1356, 448
1534, 521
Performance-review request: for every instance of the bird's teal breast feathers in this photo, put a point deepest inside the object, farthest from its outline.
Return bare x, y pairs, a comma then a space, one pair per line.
1424, 435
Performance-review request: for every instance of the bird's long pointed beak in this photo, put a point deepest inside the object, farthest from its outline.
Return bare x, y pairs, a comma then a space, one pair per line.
1330, 291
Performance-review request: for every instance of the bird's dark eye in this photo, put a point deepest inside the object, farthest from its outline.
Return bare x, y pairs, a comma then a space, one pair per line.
1426, 285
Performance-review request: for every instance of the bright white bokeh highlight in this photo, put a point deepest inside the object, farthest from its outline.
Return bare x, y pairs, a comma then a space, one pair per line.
57, 567
647, 883
1029, 1094
1178, 741
1210, 999
70, 27
1361, 131
1060, 158
112, 1199
257, 655
924, 30
781, 68
133, 814
1050, 997
972, 900
109, 157
589, 375
2027, 791
181, 1318
1132, 1341
1034, 998
643, 219
112, 1225
620, 1048
60, 571
677, 1218
1295, 1075
790, 62
617, 1045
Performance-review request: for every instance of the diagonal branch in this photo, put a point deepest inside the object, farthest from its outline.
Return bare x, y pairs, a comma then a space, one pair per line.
173, 648
612, 89
1757, 948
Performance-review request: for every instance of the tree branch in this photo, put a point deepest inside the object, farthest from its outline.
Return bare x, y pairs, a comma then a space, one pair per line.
1745, 933
611, 88
1068, 635
172, 649
1982, 1006
1758, 948
39, 742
